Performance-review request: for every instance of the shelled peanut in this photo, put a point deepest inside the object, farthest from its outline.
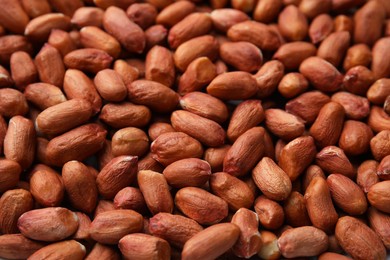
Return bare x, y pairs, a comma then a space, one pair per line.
197, 130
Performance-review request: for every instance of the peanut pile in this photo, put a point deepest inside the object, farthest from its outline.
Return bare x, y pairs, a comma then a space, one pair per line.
221, 129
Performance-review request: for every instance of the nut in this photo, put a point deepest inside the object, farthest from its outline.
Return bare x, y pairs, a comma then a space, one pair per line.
110, 226
360, 242
319, 205
136, 246
65, 249
320, 28
211, 242
346, 194
17, 246
118, 173
303, 241
176, 229
231, 189
205, 130
187, 172
80, 186
129, 34
271, 180
200, 205
379, 196
155, 189
245, 152
249, 241
38, 224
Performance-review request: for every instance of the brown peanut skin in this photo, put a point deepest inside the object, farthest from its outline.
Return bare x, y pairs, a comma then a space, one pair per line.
307, 105
175, 12
62, 220
94, 37
155, 190
292, 23
126, 221
379, 196
245, 152
47, 187
231, 189
249, 242
333, 48
359, 240
129, 141
64, 249
233, 86
322, 74
333, 159
197, 47
244, 56
9, 174
366, 175
19, 141
62, 117
355, 137
80, 186
159, 66
238, 125
193, 25
103, 251
204, 130
271, 179
205, 105
176, 229
320, 206
88, 16
378, 92
225, 18
355, 107
11, 243
85, 140
297, 155
199, 73
297, 242
320, 28
143, 246
165, 148
380, 223
204, 244
371, 15
88, 59
187, 172
347, 194
295, 210
245, 31
78, 85
146, 92
292, 54
270, 213
118, 173
23, 69
200, 205
44, 95
13, 204
129, 34
215, 157
14, 18
268, 78
125, 114
283, 124
327, 128
62, 41
13, 103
